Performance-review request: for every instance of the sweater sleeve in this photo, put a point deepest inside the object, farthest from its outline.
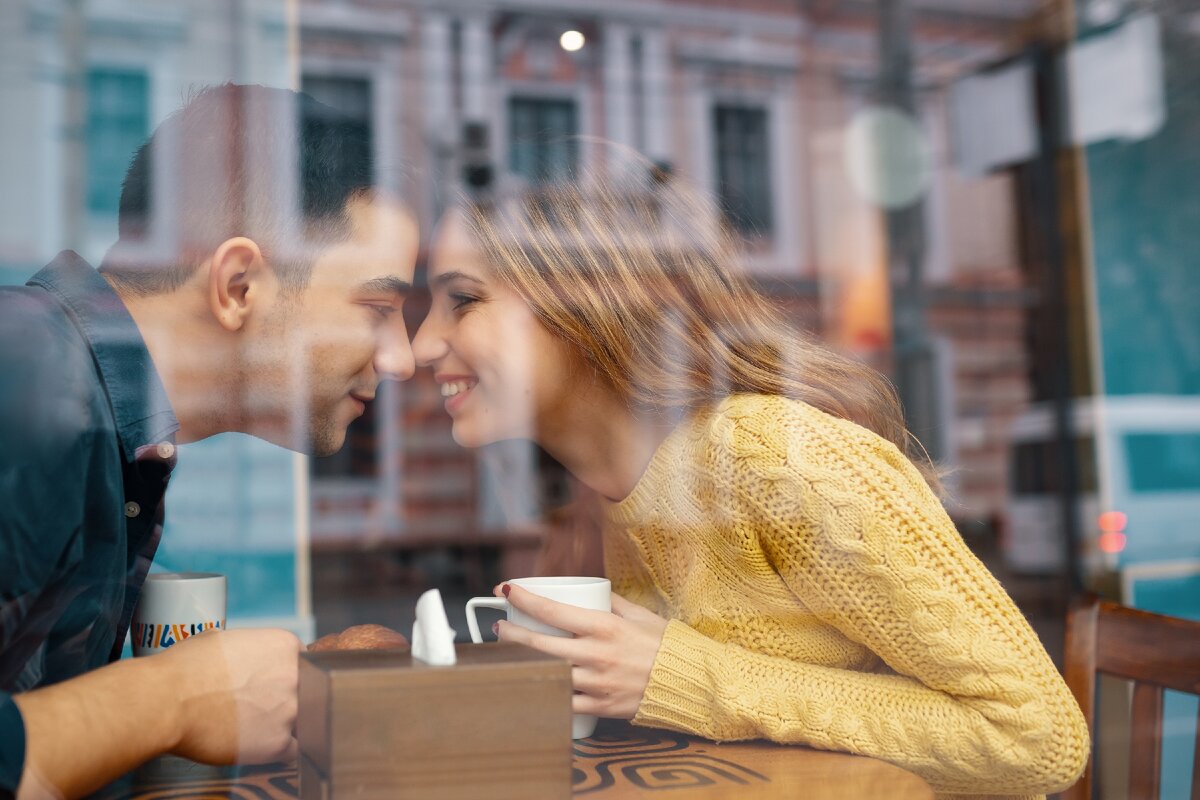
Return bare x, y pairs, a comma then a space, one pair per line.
976, 705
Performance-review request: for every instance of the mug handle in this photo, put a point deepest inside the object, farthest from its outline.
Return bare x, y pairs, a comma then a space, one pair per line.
497, 603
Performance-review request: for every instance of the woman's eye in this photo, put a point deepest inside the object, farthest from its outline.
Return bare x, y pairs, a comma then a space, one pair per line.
460, 301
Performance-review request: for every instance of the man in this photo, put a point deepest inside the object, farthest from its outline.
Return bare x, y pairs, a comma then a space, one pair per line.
234, 300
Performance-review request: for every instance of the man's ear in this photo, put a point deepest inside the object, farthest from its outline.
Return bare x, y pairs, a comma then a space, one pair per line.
237, 281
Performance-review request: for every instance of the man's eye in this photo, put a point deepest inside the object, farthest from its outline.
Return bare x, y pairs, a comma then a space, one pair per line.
382, 311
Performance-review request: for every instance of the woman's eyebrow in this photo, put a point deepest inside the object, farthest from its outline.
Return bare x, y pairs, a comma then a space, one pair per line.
446, 277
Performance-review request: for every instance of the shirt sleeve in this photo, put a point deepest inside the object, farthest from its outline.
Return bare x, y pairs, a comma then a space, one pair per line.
44, 450
12, 747
968, 698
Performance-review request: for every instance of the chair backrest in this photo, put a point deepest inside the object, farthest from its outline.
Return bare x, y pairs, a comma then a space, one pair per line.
1153, 651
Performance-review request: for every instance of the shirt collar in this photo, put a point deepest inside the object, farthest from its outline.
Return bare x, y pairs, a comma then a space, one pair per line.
142, 412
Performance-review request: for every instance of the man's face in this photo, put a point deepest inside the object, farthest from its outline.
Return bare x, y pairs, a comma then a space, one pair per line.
329, 346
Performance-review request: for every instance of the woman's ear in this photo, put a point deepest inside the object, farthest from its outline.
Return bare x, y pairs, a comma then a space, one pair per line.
236, 274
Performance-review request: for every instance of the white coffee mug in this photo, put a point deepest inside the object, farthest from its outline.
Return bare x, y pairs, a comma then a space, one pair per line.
591, 593
174, 606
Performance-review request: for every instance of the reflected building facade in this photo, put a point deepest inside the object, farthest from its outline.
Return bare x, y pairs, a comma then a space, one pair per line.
751, 103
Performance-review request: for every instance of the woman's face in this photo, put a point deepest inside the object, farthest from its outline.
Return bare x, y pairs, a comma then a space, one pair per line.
502, 373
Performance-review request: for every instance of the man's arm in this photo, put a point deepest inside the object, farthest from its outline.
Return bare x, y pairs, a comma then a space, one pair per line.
221, 698
83, 733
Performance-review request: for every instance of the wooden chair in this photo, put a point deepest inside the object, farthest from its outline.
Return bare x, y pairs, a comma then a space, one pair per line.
1153, 651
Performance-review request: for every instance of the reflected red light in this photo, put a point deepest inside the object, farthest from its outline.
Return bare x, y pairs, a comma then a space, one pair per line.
1111, 542
1112, 521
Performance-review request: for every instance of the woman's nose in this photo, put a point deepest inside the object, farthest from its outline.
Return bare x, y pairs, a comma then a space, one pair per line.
428, 345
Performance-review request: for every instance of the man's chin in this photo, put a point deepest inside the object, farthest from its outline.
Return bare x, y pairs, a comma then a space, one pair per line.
321, 441
318, 448
326, 443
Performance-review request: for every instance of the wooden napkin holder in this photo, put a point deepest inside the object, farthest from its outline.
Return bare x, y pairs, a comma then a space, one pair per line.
379, 724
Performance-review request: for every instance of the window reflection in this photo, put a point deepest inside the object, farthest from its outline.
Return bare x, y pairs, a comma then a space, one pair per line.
1043, 201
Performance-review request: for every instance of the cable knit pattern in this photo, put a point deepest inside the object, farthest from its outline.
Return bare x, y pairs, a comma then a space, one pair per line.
819, 594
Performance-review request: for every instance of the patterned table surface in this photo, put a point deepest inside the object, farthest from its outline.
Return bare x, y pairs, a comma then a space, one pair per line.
619, 762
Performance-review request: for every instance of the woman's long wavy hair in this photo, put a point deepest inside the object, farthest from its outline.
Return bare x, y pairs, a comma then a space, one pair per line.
639, 277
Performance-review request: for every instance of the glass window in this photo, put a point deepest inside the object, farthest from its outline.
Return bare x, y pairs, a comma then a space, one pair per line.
743, 168
542, 145
118, 118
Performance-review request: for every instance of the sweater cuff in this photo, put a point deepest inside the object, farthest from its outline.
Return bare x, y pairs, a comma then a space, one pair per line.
12, 746
682, 692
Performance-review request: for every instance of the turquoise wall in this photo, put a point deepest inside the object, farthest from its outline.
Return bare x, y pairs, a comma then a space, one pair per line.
1145, 214
231, 509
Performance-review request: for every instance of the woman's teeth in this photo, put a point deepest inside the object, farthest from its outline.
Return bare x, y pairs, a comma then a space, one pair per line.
455, 387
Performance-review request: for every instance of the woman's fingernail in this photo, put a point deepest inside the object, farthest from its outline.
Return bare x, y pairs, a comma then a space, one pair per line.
496, 628
506, 589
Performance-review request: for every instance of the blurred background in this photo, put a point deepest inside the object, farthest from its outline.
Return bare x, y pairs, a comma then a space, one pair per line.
997, 202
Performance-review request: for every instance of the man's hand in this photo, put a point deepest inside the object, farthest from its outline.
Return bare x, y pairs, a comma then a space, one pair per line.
220, 697
237, 696
361, 637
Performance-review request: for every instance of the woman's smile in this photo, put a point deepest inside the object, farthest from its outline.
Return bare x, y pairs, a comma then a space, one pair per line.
455, 389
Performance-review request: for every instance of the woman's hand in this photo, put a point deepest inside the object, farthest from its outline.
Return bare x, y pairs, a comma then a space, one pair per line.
611, 655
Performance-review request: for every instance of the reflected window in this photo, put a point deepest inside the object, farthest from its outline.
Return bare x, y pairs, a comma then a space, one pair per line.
542, 139
743, 168
118, 121
1035, 467
349, 114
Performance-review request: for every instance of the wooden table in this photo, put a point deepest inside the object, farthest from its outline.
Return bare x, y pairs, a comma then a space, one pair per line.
618, 763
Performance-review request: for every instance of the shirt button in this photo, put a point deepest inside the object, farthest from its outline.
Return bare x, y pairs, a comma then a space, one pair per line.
132, 509
165, 450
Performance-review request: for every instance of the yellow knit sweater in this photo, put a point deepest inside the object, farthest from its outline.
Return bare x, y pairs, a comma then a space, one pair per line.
819, 594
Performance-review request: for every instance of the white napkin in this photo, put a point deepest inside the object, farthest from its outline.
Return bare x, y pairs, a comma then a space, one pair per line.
433, 638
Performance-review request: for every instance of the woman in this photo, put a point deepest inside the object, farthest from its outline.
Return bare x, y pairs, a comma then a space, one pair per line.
783, 564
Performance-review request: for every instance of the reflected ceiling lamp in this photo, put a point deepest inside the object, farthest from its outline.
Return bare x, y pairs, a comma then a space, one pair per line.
572, 41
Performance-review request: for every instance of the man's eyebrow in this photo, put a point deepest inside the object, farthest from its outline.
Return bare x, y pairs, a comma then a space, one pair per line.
386, 285
446, 277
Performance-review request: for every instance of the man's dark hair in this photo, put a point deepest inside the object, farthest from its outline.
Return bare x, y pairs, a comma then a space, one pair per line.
270, 164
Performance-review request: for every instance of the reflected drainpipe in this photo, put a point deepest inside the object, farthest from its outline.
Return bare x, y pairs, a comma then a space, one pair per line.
1055, 317
914, 364
74, 130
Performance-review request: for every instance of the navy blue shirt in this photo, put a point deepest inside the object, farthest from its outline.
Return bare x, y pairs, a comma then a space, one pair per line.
86, 450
